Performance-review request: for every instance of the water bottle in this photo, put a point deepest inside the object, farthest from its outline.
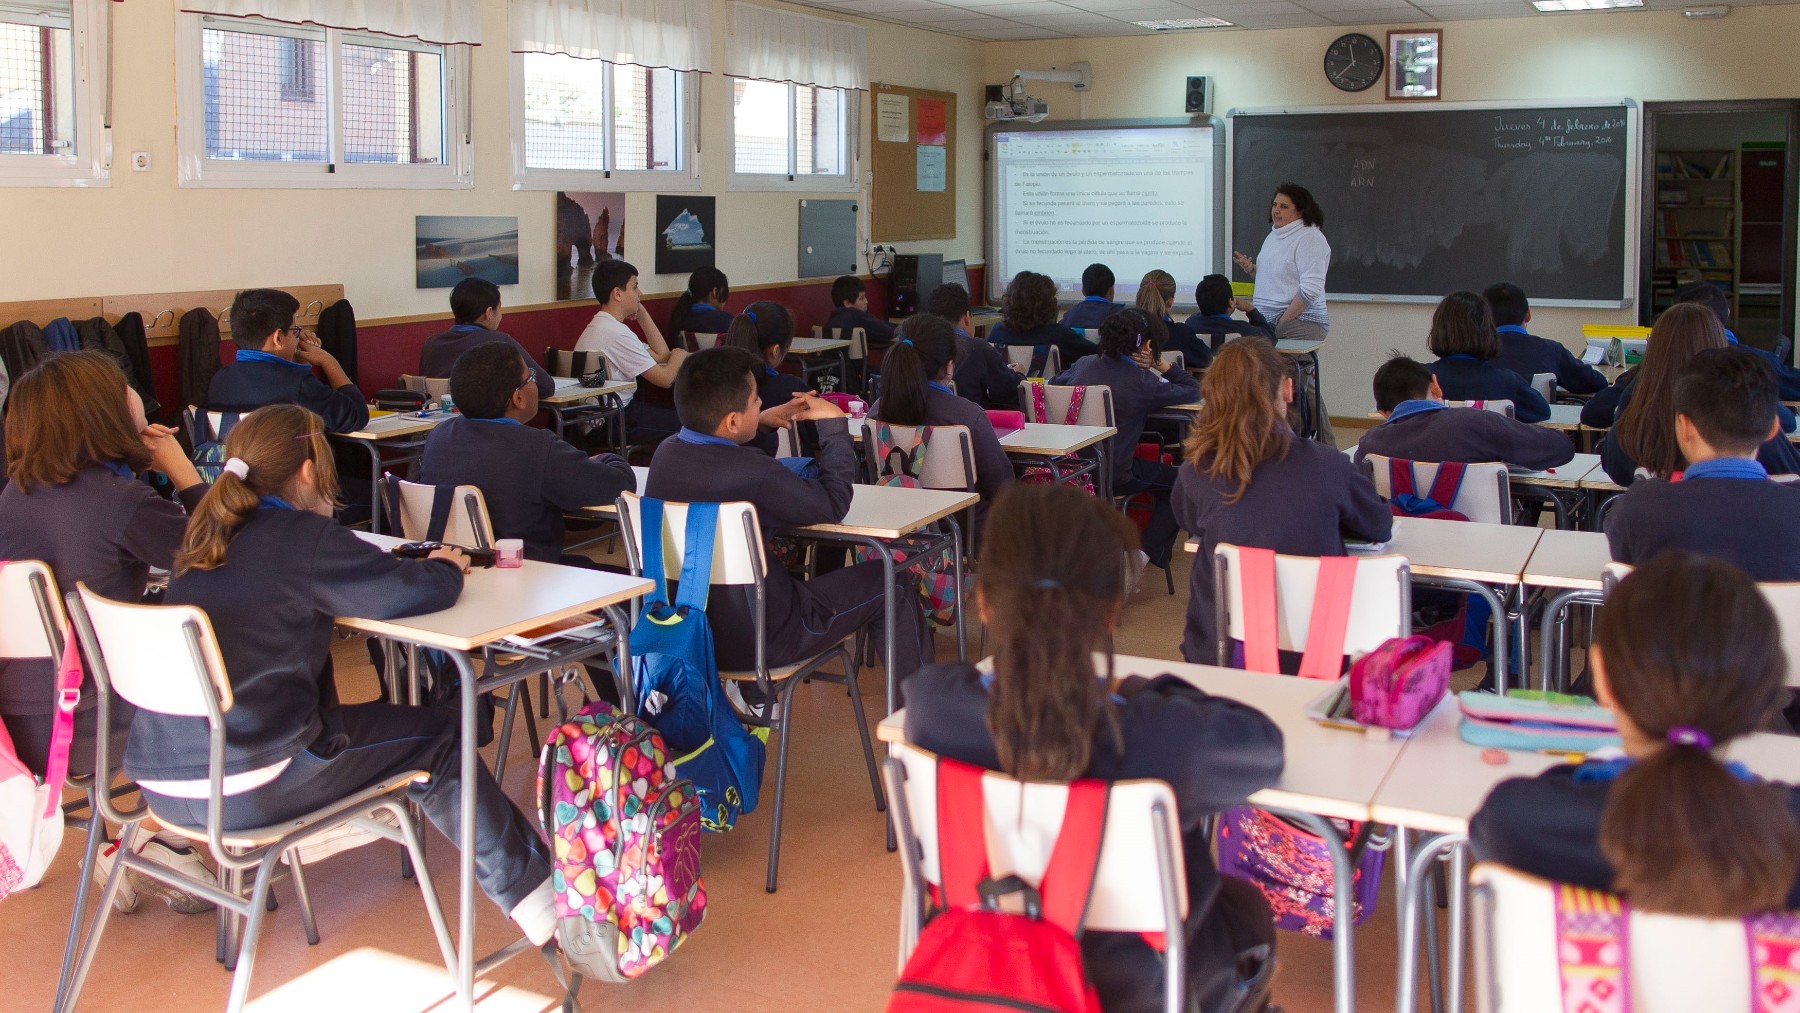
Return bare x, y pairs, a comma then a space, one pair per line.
447, 404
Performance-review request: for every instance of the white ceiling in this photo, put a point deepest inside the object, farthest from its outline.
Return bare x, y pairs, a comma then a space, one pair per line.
1006, 20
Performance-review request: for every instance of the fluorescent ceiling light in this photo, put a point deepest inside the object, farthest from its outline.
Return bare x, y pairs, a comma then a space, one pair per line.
1553, 6
1180, 24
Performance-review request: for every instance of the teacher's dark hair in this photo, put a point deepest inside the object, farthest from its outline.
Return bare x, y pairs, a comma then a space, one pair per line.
1303, 203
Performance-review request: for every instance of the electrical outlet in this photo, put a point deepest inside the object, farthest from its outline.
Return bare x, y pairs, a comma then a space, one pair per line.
140, 161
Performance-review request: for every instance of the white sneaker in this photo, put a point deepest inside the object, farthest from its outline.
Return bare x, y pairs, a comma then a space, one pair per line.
125, 901
1135, 570
174, 853
340, 839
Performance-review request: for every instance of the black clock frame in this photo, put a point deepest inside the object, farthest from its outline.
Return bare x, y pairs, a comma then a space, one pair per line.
1374, 46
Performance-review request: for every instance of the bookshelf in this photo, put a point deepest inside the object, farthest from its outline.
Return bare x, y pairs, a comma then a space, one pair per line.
1696, 222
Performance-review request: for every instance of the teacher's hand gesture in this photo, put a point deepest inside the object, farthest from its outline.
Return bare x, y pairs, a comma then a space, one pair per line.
1244, 263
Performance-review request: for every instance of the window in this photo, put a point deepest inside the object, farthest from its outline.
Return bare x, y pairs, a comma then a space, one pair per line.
278, 105
49, 132
789, 137
576, 122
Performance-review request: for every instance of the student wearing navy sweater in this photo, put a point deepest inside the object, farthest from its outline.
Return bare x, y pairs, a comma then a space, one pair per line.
700, 309
1129, 365
1527, 354
1155, 297
1096, 303
1419, 426
1462, 337
1713, 297
1246, 480
1028, 317
1687, 655
273, 572
916, 391
274, 365
982, 374
1214, 321
475, 303
527, 477
1051, 708
1724, 506
766, 330
850, 309
706, 462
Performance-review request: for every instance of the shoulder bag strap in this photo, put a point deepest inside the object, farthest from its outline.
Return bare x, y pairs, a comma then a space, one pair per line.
1447, 484
1324, 657
390, 496
651, 525
62, 728
1068, 882
1038, 411
1073, 415
1593, 947
443, 497
1257, 578
1401, 480
961, 835
697, 557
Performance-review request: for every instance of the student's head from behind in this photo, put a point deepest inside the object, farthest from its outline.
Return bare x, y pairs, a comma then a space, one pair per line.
278, 450
262, 320
948, 302
616, 288
1725, 405
764, 329
1645, 429
1462, 325
924, 350
1051, 584
1243, 415
1097, 280
69, 412
1213, 295
1156, 285
849, 290
1403, 378
476, 301
1507, 303
1125, 332
1293, 202
706, 286
1706, 294
715, 393
1029, 302
493, 381
1687, 653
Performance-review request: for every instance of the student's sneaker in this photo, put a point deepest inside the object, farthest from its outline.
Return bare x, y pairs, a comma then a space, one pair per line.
340, 839
1135, 570
172, 852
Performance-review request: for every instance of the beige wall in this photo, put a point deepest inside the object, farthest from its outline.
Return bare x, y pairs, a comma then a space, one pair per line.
143, 233
1647, 56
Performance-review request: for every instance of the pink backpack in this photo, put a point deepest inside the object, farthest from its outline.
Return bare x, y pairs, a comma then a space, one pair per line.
897, 466
31, 819
1040, 474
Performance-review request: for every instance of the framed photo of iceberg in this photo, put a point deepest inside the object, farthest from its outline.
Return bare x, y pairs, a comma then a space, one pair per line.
685, 236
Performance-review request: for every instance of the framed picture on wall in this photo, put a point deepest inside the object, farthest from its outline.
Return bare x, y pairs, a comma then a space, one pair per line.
1415, 64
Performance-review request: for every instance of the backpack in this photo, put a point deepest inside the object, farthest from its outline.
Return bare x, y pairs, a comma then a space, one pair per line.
1041, 474
897, 466
209, 446
624, 831
677, 675
973, 956
1404, 499
60, 336
31, 819
197, 354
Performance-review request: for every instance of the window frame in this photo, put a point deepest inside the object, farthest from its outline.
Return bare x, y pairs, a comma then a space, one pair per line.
795, 182
456, 172
525, 177
89, 162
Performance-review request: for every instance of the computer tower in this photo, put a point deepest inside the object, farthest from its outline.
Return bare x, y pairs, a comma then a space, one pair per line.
912, 278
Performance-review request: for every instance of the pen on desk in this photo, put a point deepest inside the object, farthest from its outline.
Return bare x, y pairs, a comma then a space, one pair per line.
1569, 756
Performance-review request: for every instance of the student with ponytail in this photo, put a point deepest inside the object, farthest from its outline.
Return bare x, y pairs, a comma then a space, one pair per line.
273, 571
1687, 654
1051, 708
766, 330
1246, 480
1155, 299
916, 391
700, 309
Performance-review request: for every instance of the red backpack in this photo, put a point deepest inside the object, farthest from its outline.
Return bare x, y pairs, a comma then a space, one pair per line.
973, 956
1404, 499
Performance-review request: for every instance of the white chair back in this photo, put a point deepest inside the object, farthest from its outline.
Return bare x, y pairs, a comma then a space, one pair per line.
1545, 385
575, 364
785, 442
949, 460
1784, 598
859, 340
1176, 359
1503, 406
1021, 355
1096, 405
1380, 604
737, 544
1485, 494
431, 386
700, 341
190, 417
159, 658
468, 522
31, 611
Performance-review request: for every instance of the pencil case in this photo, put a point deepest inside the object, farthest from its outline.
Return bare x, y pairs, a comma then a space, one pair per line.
1535, 722
1006, 421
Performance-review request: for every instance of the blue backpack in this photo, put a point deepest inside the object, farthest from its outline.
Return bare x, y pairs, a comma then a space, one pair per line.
678, 688
209, 445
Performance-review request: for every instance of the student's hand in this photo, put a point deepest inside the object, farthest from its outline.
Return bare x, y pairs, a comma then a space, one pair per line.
1147, 359
453, 554
312, 353
167, 456
781, 415
1242, 304
676, 355
816, 408
1244, 263
1017, 367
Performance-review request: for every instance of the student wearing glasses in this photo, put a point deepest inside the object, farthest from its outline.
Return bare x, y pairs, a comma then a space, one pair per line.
275, 363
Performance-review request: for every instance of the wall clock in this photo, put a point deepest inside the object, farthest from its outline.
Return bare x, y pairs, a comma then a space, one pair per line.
1354, 62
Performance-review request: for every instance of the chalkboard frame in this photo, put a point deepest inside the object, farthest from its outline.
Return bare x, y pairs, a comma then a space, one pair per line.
1632, 212
996, 285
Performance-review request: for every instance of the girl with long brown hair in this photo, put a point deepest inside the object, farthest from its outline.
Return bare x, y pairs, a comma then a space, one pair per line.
1028, 312
1050, 707
1247, 480
1687, 654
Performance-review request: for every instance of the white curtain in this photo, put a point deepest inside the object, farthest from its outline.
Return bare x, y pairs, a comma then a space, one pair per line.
773, 45
439, 21
650, 33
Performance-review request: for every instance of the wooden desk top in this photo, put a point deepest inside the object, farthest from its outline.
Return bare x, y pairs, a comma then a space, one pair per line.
1294, 346
816, 346
570, 391
393, 427
1566, 417
887, 511
1563, 476
1568, 559
1598, 480
1049, 440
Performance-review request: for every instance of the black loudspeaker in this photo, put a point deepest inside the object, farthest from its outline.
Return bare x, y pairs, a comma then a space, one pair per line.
1198, 101
912, 278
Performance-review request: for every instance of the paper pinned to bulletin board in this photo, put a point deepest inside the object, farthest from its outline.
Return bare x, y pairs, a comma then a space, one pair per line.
914, 162
893, 118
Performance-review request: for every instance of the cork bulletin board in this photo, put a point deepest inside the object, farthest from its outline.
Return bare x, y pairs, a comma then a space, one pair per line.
914, 133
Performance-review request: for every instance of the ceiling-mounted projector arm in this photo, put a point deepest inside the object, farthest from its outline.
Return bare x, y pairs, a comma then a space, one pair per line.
1079, 76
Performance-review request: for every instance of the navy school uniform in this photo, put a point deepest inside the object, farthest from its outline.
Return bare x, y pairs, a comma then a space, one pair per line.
1528, 355
1302, 504
878, 331
1466, 378
1212, 752
258, 378
1786, 376
1091, 311
1777, 456
1433, 431
1184, 339
441, 351
775, 388
993, 469
983, 376
1216, 328
528, 477
1070, 345
1726, 508
704, 318
802, 618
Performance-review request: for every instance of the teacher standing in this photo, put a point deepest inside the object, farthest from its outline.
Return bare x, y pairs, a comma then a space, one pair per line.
1290, 283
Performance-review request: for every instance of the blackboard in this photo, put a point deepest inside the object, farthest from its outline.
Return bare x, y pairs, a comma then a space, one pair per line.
1421, 202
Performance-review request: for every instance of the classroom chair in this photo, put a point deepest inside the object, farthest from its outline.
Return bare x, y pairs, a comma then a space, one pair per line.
1783, 598
1139, 886
949, 459
1096, 406
1504, 406
698, 341
165, 659
1038, 361
738, 564
863, 359
1380, 601
1176, 359
573, 364
1672, 963
1545, 385
1485, 494
432, 387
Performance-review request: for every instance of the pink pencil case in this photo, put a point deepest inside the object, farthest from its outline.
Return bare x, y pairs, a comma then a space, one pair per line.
1005, 421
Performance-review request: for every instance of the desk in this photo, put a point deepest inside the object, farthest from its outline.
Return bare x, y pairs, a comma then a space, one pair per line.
495, 603
1565, 417
1560, 485
1570, 563
570, 405
1047, 444
810, 350
401, 434
610, 511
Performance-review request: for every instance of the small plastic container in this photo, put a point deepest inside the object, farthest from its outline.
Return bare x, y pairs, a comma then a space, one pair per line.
509, 553
858, 410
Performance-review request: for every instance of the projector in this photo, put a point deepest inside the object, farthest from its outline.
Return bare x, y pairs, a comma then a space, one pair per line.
1022, 107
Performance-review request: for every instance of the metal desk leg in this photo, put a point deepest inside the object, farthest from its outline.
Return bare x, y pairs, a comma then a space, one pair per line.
623, 677
1413, 908
465, 836
1343, 916
1516, 613
1498, 617
1457, 882
1553, 642
374, 485
962, 636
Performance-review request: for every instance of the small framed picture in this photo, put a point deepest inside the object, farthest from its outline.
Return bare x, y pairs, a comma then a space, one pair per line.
1415, 64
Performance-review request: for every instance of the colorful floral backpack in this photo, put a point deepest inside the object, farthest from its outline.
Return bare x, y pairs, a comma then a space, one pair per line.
898, 466
625, 839
1041, 474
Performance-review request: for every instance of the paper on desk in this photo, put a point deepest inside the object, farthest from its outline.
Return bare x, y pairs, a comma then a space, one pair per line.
1593, 354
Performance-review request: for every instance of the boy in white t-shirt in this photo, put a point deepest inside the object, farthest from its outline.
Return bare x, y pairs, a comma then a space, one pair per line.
650, 361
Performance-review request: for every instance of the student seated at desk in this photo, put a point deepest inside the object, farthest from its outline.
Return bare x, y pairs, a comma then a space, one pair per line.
1214, 321
1687, 655
274, 365
766, 330
1246, 480
700, 309
1644, 436
1713, 297
1096, 298
1156, 294
1028, 317
527, 477
982, 374
475, 303
273, 572
1130, 364
649, 361
850, 309
916, 391
707, 463
1462, 337
1050, 590
1419, 426
1724, 506
1527, 354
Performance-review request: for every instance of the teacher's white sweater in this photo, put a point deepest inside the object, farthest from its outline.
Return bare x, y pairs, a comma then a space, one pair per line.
1294, 259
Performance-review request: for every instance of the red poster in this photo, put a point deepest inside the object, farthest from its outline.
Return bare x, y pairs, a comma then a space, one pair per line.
931, 121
